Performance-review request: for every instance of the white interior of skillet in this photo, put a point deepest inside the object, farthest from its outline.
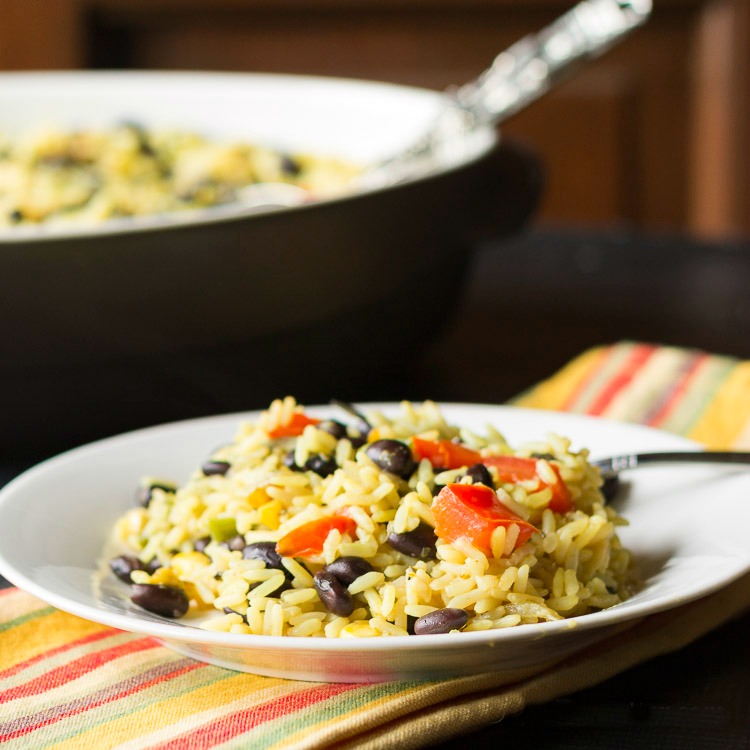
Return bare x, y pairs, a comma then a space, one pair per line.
360, 121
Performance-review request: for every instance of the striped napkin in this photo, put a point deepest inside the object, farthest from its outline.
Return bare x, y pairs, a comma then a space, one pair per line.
68, 683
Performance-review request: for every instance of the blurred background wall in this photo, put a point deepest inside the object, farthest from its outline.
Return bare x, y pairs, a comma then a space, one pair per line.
654, 136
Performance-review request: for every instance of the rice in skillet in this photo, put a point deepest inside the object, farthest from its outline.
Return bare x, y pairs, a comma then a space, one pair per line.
383, 526
87, 176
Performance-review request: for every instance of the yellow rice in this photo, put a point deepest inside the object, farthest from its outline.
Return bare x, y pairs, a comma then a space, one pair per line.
85, 176
572, 565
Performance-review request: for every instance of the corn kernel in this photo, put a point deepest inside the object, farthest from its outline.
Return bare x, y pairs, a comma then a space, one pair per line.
270, 514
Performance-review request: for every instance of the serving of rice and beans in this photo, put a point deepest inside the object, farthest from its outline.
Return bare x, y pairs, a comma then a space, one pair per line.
374, 526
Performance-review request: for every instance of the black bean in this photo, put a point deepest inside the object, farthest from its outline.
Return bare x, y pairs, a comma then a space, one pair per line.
265, 551
410, 620
610, 487
441, 621
146, 492
336, 599
285, 585
168, 601
392, 456
230, 611
348, 568
480, 474
290, 463
332, 427
545, 456
290, 166
215, 468
235, 543
200, 544
153, 566
419, 542
362, 426
141, 136
123, 565
322, 465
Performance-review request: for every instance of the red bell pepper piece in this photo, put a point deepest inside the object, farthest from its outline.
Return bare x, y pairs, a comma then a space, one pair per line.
473, 512
517, 469
444, 454
308, 539
294, 427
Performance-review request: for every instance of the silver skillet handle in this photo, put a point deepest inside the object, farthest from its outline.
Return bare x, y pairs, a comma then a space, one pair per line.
517, 77
531, 66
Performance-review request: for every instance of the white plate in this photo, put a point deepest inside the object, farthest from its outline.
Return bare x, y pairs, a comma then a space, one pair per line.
687, 530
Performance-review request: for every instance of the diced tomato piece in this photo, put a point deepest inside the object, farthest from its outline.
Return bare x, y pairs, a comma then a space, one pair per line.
307, 540
444, 454
294, 427
518, 469
512, 468
473, 512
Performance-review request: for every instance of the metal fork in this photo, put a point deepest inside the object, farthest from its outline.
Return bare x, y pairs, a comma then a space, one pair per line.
616, 464
611, 466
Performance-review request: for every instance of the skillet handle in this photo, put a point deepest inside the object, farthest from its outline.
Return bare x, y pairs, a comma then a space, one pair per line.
538, 62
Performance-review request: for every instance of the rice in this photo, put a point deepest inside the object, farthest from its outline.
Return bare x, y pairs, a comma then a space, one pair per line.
86, 176
315, 495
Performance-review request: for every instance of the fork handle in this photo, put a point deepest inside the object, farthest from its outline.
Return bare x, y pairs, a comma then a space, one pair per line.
615, 464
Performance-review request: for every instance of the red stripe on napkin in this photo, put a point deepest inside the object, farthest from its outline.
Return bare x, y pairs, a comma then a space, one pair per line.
239, 722
43, 719
44, 656
76, 669
637, 358
673, 397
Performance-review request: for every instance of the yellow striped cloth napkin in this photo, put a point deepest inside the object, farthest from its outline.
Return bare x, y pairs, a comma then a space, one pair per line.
68, 683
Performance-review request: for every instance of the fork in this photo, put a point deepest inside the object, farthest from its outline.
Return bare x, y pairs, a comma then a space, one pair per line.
611, 466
